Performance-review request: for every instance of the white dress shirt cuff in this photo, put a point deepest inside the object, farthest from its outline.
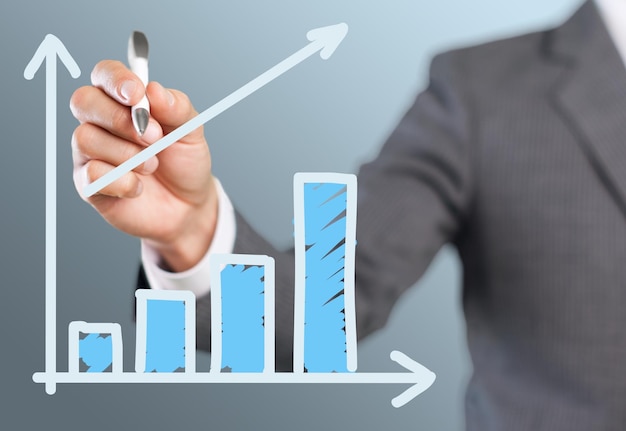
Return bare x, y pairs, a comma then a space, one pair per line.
195, 279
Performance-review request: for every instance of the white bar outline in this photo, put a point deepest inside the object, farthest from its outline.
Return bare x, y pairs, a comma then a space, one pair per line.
73, 350
143, 295
350, 181
216, 264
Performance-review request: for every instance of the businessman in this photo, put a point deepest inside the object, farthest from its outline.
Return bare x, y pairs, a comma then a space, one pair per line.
515, 153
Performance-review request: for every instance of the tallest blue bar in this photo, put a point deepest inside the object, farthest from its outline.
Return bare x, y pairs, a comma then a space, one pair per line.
325, 223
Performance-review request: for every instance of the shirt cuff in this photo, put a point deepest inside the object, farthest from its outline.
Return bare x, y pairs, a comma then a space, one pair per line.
195, 279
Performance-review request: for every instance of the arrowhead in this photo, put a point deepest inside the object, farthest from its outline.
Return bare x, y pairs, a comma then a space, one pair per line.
51, 46
328, 37
425, 378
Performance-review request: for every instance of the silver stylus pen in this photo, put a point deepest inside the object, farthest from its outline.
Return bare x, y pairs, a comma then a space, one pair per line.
138, 62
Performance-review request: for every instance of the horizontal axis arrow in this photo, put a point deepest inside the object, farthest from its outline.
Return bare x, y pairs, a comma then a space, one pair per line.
421, 378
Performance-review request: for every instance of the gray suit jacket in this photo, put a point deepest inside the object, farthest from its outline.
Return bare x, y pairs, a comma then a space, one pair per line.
516, 154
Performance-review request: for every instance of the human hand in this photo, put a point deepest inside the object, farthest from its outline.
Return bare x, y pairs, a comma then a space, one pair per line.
170, 200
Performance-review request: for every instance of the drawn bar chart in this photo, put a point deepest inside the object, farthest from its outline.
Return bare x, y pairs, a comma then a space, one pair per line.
243, 326
242, 314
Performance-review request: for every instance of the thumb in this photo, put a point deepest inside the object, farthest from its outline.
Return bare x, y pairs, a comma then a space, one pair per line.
172, 108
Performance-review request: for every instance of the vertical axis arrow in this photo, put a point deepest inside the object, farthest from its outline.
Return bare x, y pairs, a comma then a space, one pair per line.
48, 50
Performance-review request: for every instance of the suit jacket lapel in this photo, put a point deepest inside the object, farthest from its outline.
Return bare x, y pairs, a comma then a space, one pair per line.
591, 95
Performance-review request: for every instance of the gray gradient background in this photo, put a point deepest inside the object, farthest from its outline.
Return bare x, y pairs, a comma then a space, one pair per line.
344, 107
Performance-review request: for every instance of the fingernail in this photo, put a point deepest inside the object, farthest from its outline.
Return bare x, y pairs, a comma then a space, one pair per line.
127, 89
152, 133
167, 94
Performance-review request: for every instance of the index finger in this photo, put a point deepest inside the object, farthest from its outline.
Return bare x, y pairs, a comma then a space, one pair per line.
117, 81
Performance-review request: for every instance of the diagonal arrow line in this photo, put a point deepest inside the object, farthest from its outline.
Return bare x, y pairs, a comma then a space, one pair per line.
324, 39
48, 50
420, 376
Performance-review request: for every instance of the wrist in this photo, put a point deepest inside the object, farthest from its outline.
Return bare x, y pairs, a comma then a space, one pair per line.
191, 244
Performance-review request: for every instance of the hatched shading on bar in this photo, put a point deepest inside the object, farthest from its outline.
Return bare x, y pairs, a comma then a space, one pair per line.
165, 331
95, 352
325, 238
243, 313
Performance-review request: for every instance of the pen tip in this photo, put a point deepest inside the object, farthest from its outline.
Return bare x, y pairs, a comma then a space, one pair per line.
140, 120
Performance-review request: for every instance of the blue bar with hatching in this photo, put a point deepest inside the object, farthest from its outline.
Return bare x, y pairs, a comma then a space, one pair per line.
325, 236
166, 331
165, 336
243, 315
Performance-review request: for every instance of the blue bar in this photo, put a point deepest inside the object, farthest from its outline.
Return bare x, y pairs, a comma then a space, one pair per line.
165, 336
95, 352
243, 318
325, 235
